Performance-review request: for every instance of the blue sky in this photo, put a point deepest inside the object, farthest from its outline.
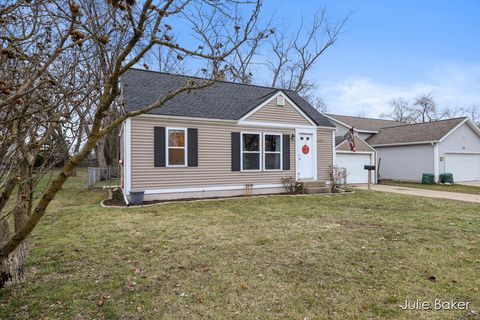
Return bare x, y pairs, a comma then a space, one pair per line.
395, 48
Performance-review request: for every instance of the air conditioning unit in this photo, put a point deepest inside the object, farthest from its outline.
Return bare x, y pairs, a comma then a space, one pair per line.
280, 101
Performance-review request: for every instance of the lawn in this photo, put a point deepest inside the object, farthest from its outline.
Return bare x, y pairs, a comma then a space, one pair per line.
351, 256
459, 188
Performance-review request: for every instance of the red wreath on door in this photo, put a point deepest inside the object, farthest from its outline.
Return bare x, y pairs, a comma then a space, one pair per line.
305, 149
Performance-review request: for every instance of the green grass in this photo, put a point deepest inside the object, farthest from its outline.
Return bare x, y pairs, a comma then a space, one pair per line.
351, 256
459, 188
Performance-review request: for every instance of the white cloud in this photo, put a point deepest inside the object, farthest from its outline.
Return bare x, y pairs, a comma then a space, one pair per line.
450, 86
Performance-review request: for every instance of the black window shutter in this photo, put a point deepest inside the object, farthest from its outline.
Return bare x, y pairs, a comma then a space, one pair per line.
286, 151
192, 140
159, 148
235, 151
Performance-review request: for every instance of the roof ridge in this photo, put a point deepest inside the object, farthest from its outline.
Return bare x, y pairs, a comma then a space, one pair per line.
421, 123
197, 77
343, 115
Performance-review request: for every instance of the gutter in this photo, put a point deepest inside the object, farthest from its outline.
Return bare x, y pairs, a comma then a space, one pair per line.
404, 143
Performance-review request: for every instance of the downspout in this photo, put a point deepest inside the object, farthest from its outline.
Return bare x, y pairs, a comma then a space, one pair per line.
436, 169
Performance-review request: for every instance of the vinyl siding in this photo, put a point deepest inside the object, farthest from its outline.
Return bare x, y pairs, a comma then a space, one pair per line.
279, 114
214, 156
324, 154
405, 162
464, 139
359, 146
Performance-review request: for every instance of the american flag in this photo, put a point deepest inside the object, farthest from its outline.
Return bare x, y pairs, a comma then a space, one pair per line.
350, 136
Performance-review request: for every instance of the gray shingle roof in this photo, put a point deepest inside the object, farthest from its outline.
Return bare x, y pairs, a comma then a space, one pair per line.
222, 100
339, 140
368, 124
411, 133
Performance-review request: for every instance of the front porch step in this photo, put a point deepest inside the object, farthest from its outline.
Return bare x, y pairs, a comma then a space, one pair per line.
313, 190
314, 184
312, 187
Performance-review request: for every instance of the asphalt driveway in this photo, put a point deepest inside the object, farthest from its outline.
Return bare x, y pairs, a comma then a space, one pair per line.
423, 192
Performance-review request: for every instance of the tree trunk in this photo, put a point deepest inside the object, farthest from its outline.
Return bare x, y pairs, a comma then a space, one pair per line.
12, 268
101, 159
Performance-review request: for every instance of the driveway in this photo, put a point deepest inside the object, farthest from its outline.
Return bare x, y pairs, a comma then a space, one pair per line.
423, 192
471, 183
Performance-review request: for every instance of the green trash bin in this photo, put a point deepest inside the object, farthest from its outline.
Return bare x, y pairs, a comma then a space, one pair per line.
446, 178
428, 178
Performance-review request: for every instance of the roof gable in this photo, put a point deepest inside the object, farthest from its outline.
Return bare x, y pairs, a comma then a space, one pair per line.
269, 111
341, 144
221, 100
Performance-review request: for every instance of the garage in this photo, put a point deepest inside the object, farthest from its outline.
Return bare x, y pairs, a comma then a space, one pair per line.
354, 163
463, 166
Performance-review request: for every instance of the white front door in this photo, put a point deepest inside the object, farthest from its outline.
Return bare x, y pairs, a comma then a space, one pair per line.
305, 156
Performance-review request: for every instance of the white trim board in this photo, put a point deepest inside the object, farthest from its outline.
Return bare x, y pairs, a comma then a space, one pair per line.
180, 118
461, 152
436, 162
356, 152
272, 125
238, 122
211, 188
403, 144
264, 103
334, 147
127, 149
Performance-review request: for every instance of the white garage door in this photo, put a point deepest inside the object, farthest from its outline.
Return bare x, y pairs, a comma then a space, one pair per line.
354, 163
465, 167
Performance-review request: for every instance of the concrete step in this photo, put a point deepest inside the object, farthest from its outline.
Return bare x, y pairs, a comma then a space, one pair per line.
314, 184
313, 190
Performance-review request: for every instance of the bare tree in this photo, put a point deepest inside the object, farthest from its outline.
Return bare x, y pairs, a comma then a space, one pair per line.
424, 109
473, 112
296, 56
288, 55
318, 103
60, 72
401, 111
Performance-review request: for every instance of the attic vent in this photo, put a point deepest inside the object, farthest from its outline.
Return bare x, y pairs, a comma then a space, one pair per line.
280, 101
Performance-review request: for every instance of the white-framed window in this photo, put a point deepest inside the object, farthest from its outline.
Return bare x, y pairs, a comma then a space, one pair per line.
251, 152
176, 147
272, 146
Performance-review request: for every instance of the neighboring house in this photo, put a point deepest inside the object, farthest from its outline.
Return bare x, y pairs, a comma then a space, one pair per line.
406, 151
445, 146
364, 127
354, 162
224, 140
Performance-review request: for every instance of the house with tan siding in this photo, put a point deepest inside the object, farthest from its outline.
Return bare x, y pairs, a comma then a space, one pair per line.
225, 140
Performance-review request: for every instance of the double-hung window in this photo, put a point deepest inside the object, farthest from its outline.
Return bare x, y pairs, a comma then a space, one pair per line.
176, 147
251, 152
273, 151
